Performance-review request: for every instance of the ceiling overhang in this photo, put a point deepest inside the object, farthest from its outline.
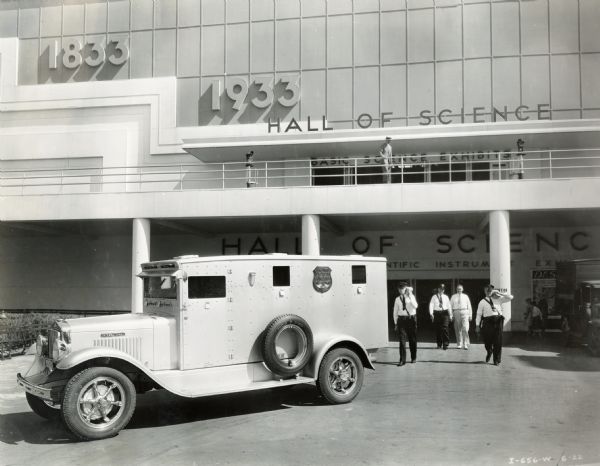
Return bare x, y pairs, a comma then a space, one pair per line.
231, 143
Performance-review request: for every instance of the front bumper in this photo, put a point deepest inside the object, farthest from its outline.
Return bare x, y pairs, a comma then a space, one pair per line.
41, 392
43, 381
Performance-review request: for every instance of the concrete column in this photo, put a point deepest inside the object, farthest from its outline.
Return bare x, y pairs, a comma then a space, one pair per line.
140, 253
500, 257
311, 235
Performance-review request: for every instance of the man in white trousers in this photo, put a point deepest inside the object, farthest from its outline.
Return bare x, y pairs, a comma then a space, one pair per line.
463, 313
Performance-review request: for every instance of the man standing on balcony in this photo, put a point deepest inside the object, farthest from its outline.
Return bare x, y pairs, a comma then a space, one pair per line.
489, 315
441, 315
385, 152
518, 168
250, 172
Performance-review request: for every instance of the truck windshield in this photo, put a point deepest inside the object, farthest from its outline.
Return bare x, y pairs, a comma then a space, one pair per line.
160, 287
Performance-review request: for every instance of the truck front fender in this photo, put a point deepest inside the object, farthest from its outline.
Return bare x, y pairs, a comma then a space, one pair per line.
322, 344
81, 356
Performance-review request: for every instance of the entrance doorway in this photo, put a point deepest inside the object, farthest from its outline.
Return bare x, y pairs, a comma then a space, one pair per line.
423, 290
473, 288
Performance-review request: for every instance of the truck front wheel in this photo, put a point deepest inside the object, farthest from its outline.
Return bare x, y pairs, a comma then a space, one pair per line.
98, 403
340, 376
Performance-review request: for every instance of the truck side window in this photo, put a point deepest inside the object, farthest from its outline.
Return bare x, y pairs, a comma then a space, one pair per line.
359, 274
206, 287
281, 275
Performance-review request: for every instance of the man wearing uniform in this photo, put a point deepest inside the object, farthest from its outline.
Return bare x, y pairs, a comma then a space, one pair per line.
489, 316
405, 322
461, 308
441, 315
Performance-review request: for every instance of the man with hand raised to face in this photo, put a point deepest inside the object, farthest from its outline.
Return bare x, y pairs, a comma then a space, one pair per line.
491, 322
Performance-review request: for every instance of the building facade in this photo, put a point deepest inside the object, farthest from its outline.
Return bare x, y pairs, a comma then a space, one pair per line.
125, 128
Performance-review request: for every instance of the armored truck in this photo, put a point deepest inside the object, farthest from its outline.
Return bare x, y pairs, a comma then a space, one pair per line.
215, 325
578, 300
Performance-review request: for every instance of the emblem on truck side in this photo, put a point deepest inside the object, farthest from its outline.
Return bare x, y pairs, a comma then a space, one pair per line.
112, 334
322, 280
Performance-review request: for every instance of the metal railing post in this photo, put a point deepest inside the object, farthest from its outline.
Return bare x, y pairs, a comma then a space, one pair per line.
266, 174
402, 169
355, 171
450, 169
222, 176
550, 160
499, 166
61, 180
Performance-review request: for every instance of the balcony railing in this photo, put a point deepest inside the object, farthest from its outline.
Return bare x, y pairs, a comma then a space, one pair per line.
346, 171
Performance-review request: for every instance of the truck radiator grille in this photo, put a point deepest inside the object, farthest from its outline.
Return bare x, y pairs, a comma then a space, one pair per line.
131, 346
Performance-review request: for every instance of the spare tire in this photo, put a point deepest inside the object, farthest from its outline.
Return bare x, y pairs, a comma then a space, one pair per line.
288, 345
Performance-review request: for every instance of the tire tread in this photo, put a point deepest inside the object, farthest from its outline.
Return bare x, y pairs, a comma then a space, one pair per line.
72, 385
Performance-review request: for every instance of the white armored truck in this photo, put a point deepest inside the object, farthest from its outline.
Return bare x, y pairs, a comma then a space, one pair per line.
214, 325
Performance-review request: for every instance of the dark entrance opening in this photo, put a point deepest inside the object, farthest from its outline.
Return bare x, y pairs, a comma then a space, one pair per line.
370, 175
458, 171
480, 171
424, 290
439, 172
327, 176
473, 288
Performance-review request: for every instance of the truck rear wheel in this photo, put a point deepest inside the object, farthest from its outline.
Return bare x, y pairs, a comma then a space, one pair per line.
288, 345
41, 408
98, 403
340, 376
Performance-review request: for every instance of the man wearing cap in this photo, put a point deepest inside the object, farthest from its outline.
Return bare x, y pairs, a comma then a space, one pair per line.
461, 308
489, 316
385, 152
405, 322
441, 315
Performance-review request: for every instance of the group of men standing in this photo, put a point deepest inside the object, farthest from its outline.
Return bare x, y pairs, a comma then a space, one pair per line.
443, 310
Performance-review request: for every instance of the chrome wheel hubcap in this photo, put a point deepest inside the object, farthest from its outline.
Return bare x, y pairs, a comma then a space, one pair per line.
101, 402
342, 375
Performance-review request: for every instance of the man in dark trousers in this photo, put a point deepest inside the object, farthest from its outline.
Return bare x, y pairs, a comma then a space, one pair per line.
441, 315
405, 322
491, 320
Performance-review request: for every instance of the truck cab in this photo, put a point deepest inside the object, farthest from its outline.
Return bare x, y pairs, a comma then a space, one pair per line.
578, 299
214, 325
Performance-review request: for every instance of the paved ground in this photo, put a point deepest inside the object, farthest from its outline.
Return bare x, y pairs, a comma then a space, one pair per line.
541, 406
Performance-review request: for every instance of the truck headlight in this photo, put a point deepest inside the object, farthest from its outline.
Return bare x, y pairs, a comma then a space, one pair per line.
41, 346
59, 339
59, 349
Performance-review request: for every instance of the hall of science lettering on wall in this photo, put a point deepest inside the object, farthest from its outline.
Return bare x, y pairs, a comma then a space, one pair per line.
465, 243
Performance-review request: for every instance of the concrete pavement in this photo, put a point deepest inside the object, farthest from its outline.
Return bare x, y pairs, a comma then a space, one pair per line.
541, 406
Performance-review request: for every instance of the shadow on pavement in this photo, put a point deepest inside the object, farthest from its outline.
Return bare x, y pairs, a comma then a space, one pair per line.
562, 362
30, 428
161, 408
453, 362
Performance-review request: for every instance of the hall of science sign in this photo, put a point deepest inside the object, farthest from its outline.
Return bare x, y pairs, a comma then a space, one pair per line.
463, 242
427, 117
